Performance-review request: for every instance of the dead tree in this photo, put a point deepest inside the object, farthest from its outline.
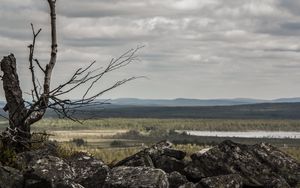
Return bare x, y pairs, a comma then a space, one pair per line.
22, 114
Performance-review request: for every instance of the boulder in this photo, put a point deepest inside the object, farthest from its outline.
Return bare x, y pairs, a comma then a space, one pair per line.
225, 181
160, 155
169, 164
10, 178
133, 177
164, 148
176, 179
194, 172
48, 172
258, 165
24, 158
281, 163
90, 172
177, 154
188, 185
141, 158
68, 184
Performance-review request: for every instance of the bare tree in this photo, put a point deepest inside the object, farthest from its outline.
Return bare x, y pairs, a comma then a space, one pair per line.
22, 114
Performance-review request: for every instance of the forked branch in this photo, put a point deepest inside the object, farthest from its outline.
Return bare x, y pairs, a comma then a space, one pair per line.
22, 114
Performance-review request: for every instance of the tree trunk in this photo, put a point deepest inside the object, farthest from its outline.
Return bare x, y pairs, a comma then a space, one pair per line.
15, 102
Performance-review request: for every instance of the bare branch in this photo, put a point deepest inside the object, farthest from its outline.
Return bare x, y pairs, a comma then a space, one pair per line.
31, 54
39, 65
22, 113
53, 56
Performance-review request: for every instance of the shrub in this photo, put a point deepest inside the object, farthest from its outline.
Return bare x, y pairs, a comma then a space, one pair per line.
118, 143
7, 156
78, 141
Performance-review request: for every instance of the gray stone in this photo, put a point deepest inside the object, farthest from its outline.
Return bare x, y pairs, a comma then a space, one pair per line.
160, 155
176, 179
194, 172
48, 172
90, 172
258, 165
225, 181
136, 177
68, 184
141, 158
10, 178
169, 164
24, 158
188, 185
177, 154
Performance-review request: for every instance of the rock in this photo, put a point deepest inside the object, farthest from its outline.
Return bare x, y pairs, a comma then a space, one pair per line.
47, 184
176, 179
90, 172
68, 184
194, 172
188, 185
278, 183
280, 162
160, 155
164, 148
225, 165
258, 165
225, 181
141, 158
24, 158
49, 172
169, 164
133, 177
177, 154
10, 178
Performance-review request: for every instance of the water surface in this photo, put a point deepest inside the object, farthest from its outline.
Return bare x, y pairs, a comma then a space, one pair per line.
246, 134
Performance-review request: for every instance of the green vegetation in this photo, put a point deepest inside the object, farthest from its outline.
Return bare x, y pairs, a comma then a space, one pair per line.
190, 148
113, 139
7, 157
292, 151
169, 124
118, 143
255, 111
108, 155
113, 155
78, 141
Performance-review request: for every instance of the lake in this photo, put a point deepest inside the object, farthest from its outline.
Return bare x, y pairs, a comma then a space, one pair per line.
246, 134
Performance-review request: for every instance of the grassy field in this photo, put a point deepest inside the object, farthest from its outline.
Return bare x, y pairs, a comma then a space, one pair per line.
112, 139
115, 154
178, 124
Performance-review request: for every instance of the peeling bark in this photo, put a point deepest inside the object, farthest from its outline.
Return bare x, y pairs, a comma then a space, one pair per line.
13, 93
18, 131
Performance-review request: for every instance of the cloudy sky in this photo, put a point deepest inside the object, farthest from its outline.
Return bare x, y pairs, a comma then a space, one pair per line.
193, 48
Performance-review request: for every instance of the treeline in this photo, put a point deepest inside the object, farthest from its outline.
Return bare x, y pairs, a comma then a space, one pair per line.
254, 111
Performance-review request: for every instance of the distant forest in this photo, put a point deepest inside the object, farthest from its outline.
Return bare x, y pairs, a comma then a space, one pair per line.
252, 111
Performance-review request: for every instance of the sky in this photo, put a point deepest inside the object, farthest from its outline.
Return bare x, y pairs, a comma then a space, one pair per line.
193, 49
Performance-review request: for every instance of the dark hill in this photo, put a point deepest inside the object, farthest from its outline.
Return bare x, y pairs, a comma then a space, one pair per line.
253, 111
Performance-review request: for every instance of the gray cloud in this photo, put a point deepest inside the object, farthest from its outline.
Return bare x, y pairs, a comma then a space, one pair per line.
201, 49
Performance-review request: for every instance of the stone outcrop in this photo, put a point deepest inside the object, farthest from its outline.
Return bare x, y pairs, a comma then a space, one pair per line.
259, 165
161, 155
176, 179
90, 172
49, 172
159, 166
224, 181
133, 177
10, 177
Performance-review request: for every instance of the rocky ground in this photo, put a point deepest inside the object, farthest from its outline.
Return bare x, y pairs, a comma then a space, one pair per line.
228, 164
